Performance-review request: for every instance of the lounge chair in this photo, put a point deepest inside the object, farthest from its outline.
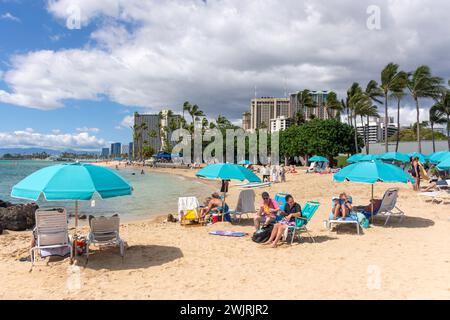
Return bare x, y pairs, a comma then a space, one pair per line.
388, 206
350, 220
104, 232
308, 212
437, 196
245, 205
51, 232
188, 209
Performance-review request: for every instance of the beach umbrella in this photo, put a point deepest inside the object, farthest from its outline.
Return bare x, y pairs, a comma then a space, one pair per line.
355, 158
421, 156
369, 157
438, 157
444, 165
226, 171
245, 162
395, 156
318, 159
371, 172
74, 181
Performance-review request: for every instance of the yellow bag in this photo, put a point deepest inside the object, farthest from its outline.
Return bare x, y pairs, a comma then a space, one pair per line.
191, 215
423, 173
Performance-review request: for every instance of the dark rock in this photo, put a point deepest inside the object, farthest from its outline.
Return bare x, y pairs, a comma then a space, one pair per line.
83, 217
18, 217
5, 204
1, 228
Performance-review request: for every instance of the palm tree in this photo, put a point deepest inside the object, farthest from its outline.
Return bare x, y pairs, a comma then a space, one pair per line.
398, 93
441, 111
333, 103
391, 79
186, 107
349, 104
436, 117
305, 100
361, 105
422, 84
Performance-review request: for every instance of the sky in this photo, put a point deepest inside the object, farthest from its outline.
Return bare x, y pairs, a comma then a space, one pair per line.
72, 72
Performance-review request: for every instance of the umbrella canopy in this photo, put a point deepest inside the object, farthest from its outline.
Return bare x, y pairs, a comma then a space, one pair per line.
318, 159
355, 158
369, 157
421, 156
395, 156
372, 172
245, 162
438, 157
444, 165
226, 171
74, 181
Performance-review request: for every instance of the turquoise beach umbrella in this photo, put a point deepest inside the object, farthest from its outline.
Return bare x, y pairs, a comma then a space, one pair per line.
421, 156
226, 171
369, 157
395, 156
355, 158
371, 172
444, 165
245, 162
73, 181
318, 159
438, 157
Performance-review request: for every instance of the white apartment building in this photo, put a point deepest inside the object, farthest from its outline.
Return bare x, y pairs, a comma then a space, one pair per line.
373, 131
279, 124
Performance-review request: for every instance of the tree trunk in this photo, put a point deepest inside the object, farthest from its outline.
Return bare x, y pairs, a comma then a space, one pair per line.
398, 124
386, 145
448, 130
432, 136
356, 137
367, 135
419, 143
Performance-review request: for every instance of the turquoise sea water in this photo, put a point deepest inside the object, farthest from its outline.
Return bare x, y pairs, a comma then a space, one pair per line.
153, 194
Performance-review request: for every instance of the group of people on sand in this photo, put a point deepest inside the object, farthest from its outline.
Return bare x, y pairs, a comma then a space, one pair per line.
436, 178
273, 173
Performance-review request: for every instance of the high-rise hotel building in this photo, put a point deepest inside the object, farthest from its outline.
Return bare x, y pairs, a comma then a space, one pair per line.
262, 110
319, 112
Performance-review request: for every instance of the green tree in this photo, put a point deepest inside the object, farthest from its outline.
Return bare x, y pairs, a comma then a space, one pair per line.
333, 104
391, 80
442, 111
305, 100
436, 117
422, 84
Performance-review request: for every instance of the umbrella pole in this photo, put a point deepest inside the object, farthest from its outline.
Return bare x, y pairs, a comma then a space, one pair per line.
76, 214
371, 202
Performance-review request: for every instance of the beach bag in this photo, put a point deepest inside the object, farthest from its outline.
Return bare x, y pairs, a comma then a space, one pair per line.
262, 235
363, 221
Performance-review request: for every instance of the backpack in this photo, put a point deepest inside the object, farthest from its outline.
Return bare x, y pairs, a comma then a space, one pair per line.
262, 235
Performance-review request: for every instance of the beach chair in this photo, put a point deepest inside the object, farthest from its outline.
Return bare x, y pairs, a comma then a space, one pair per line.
245, 205
388, 207
350, 220
437, 196
51, 232
308, 212
104, 232
188, 210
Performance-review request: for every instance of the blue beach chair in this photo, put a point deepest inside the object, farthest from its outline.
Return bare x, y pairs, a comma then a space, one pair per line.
308, 212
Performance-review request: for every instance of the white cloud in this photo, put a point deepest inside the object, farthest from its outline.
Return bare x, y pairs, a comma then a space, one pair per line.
127, 122
9, 16
29, 138
86, 129
158, 54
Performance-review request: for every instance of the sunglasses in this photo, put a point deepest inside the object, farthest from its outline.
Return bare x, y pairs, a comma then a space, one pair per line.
265, 198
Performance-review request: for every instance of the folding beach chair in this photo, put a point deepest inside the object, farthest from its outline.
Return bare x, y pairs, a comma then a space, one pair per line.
388, 206
308, 212
350, 220
245, 205
104, 232
51, 232
437, 196
188, 209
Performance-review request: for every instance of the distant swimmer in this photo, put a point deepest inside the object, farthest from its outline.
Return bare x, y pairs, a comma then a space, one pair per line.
142, 171
133, 174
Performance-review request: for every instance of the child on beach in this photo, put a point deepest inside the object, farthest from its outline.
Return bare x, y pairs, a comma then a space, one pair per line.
342, 207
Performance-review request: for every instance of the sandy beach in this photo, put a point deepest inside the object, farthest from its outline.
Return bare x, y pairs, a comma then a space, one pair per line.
167, 261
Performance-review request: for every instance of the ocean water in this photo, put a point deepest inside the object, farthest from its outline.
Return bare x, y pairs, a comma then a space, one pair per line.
153, 194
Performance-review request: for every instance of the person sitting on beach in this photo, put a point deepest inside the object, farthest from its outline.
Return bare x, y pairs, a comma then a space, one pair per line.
342, 207
215, 205
267, 211
291, 211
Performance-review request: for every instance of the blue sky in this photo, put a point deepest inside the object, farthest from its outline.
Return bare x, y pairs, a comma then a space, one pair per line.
27, 26
62, 87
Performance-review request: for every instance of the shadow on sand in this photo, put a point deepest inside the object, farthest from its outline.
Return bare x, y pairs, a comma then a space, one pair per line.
136, 257
408, 222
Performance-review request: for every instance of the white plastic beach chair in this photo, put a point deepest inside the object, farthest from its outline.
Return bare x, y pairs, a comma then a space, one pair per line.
104, 232
186, 204
245, 205
437, 196
389, 207
51, 231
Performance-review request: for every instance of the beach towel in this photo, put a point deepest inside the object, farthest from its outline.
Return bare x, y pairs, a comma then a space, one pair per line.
232, 234
187, 203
